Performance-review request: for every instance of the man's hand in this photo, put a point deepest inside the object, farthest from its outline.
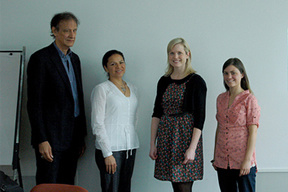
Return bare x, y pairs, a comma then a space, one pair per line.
46, 151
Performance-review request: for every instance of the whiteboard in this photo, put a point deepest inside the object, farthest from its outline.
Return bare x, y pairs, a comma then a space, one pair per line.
10, 63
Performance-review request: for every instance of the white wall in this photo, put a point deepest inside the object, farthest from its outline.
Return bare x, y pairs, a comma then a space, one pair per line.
255, 31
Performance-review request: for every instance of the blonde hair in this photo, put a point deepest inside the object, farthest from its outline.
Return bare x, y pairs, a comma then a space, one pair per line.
188, 66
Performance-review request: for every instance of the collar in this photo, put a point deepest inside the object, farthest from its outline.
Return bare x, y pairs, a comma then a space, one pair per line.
61, 54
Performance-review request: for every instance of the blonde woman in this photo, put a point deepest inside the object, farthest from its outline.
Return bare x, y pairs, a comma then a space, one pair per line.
177, 120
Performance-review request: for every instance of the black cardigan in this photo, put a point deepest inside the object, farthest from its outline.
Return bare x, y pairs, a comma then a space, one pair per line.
195, 97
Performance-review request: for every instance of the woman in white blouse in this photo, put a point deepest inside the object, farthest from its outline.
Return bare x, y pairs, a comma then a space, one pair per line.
114, 106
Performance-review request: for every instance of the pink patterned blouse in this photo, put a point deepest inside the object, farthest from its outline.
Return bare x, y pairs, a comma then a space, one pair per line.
234, 122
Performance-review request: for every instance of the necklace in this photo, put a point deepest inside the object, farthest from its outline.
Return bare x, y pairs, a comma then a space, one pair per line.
122, 87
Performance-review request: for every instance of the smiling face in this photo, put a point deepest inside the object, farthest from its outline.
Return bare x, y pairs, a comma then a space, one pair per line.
232, 77
66, 35
115, 66
177, 56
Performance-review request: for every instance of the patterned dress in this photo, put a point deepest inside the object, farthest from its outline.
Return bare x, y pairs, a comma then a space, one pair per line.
174, 137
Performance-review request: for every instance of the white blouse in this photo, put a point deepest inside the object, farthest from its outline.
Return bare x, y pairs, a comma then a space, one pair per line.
113, 118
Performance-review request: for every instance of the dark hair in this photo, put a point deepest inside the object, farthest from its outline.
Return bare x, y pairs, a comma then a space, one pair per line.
59, 17
109, 54
239, 65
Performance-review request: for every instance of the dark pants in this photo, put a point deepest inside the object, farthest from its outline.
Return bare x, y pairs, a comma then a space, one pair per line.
229, 180
61, 170
120, 181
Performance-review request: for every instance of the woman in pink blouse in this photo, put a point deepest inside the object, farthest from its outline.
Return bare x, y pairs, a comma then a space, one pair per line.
238, 116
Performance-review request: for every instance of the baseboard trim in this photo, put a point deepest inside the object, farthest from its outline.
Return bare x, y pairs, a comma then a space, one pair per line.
273, 170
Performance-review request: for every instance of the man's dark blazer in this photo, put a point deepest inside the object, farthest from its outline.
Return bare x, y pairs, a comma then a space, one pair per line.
50, 100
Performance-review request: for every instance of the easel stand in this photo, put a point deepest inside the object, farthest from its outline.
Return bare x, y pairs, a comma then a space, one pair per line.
17, 176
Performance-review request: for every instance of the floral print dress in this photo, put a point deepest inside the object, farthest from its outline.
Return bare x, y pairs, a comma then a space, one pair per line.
174, 137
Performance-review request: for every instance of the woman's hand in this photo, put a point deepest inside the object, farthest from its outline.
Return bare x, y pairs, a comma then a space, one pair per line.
153, 152
245, 168
111, 165
154, 127
189, 156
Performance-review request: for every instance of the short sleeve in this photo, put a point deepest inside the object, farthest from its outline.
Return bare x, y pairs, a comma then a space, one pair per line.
253, 111
220, 106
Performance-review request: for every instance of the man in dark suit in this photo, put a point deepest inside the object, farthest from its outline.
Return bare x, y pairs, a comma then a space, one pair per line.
56, 105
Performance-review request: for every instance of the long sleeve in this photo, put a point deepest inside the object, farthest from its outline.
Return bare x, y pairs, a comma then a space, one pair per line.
113, 118
98, 102
195, 100
36, 98
161, 87
199, 103
135, 90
